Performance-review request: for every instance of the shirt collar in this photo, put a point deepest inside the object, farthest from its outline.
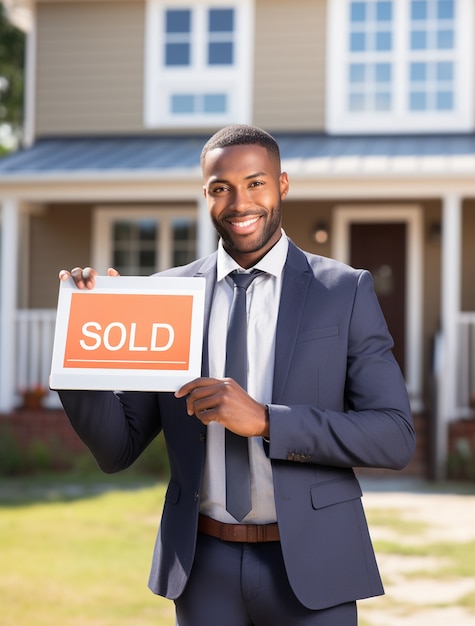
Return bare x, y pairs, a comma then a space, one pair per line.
272, 263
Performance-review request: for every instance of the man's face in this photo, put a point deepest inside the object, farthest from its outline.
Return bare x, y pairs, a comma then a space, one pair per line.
244, 188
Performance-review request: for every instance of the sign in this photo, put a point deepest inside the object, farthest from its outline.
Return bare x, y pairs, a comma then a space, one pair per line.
128, 333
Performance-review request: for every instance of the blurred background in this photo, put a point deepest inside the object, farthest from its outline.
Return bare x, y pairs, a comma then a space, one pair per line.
104, 108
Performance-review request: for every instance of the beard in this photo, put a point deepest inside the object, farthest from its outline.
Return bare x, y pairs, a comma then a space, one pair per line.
252, 243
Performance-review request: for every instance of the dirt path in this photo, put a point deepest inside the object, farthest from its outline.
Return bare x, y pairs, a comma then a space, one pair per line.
413, 597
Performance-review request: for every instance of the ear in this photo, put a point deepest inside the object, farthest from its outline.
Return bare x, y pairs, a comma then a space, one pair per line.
284, 185
205, 194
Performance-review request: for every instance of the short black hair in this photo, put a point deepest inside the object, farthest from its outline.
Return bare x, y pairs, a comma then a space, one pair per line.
241, 135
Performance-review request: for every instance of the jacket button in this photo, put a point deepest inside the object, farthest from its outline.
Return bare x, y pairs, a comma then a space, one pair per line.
202, 437
196, 496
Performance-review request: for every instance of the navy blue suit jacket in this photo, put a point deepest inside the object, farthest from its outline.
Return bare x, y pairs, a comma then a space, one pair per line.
339, 401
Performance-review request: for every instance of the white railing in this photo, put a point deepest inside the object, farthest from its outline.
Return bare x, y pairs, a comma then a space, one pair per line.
34, 348
465, 392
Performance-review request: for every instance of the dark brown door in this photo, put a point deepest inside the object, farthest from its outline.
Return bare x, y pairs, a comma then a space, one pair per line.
381, 249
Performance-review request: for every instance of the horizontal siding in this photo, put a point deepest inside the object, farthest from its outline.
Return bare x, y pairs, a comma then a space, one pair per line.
81, 45
89, 67
468, 255
60, 238
289, 73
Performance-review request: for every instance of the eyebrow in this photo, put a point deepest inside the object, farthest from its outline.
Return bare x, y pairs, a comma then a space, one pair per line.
249, 177
256, 175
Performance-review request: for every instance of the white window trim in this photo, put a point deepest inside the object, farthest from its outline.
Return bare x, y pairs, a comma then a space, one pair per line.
411, 215
338, 120
103, 218
160, 81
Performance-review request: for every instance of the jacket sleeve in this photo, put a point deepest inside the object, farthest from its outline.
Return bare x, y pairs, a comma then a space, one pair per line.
372, 426
115, 426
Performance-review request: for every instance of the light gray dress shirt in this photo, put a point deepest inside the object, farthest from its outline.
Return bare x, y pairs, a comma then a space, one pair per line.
263, 297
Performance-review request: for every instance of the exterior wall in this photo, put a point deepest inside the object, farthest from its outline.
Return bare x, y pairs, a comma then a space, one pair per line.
299, 220
289, 70
468, 256
60, 238
89, 67
431, 298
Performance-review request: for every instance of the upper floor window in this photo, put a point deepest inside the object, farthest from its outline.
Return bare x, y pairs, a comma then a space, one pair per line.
140, 242
400, 65
198, 61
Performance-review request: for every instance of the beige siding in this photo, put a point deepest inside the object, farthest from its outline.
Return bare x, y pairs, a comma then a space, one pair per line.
90, 67
431, 292
289, 76
468, 256
59, 239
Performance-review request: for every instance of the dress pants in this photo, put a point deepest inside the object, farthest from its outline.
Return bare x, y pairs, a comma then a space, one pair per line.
245, 584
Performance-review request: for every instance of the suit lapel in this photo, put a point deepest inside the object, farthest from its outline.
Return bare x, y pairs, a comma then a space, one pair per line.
297, 276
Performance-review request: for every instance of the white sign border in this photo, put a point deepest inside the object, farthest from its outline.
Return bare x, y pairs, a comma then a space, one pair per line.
95, 379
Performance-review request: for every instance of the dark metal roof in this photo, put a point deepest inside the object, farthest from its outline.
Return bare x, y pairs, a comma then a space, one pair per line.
75, 155
104, 154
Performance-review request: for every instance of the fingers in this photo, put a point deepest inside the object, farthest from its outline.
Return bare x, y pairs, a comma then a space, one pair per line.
194, 384
201, 395
85, 278
222, 400
64, 275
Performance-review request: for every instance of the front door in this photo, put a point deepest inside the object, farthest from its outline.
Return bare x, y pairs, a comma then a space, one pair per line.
381, 249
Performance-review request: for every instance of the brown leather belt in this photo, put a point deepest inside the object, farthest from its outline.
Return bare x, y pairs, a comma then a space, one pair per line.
244, 533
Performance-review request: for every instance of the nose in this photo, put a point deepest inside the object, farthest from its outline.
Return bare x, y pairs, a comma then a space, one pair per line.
241, 199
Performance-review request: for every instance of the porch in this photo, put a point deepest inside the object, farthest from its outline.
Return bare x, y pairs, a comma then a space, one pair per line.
434, 175
33, 340
34, 335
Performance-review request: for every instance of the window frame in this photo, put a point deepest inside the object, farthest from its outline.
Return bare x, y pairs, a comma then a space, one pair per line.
104, 218
199, 79
400, 119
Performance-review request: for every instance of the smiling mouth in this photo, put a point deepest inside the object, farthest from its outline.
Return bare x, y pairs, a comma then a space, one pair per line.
245, 223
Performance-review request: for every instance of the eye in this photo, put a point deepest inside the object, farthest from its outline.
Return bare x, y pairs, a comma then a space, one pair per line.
256, 183
218, 190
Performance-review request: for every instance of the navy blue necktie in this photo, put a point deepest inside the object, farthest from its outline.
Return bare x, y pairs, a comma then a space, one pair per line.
238, 479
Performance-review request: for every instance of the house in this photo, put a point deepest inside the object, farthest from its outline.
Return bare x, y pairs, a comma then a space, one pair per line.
372, 103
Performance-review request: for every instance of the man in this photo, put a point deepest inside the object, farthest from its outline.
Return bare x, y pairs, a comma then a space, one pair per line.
324, 394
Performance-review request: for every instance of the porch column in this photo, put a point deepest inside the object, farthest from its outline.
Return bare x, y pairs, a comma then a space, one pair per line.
8, 300
450, 308
206, 232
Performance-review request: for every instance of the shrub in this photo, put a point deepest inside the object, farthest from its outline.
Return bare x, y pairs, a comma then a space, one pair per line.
12, 457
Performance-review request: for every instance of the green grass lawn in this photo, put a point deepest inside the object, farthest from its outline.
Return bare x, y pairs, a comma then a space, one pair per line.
77, 552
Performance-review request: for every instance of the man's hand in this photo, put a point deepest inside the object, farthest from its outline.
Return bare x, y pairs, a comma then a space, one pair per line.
85, 278
223, 400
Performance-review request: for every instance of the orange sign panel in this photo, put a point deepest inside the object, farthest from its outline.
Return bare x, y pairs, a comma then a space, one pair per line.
129, 331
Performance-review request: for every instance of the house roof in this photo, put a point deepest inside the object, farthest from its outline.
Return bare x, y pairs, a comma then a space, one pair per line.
303, 155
